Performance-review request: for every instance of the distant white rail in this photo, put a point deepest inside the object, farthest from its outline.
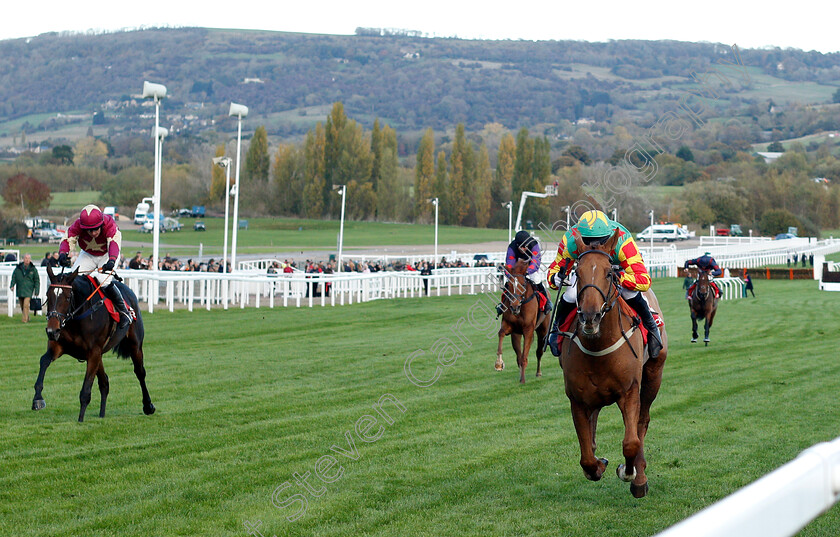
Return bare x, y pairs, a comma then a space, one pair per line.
778, 505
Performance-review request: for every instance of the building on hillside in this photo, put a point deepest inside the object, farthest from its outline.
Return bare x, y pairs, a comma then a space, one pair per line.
769, 156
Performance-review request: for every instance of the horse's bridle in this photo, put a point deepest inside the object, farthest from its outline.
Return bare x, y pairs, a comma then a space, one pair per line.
62, 317
612, 292
520, 297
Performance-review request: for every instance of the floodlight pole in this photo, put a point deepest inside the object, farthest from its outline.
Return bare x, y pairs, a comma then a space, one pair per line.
568, 209
240, 111
156, 92
225, 162
343, 191
509, 207
651, 235
436, 203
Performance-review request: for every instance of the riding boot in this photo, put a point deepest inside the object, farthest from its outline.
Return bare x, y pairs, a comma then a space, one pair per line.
116, 297
549, 307
640, 305
565, 308
500, 309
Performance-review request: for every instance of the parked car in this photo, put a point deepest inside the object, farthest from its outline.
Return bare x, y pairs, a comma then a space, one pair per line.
197, 211
199, 226
783, 236
47, 235
166, 224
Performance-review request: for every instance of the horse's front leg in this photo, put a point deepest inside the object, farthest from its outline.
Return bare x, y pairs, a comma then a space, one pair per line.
526, 349
593, 468
632, 445
503, 331
93, 364
104, 387
693, 327
49, 357
516, 343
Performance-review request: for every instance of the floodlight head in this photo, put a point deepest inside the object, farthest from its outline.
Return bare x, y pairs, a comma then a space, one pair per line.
153, 91
238, 110
339, 188
162, 132
433, 201
224, 162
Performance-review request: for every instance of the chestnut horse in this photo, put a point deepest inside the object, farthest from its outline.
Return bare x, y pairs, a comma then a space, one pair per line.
521, 318
605, 362
703, 305
79, 325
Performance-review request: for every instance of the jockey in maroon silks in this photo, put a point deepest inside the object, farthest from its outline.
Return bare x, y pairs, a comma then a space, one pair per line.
98, 239
524, 246
706, 263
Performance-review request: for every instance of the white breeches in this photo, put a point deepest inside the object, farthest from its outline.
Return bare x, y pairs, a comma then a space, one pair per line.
87, 263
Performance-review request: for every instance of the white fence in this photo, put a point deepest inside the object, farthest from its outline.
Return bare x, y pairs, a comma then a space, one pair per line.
257, 289
778, 505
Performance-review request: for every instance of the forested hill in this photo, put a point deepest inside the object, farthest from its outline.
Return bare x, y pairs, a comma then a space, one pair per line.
410, 82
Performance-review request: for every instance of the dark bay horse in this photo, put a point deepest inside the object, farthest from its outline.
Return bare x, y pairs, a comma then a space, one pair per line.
521, 319
605, 362
78, 324
703, 305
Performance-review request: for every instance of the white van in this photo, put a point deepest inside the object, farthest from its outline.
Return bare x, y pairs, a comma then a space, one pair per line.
140, 212
664, 232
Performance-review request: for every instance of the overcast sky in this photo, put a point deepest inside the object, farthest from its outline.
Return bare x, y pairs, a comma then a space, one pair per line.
805, 25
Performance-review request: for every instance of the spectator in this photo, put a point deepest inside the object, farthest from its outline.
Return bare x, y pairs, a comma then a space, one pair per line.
25, 279
10, 257
46, 261
748, 285
804, 259
53, 262
795, 258
688, 281
136, 262
811, 259
425, 271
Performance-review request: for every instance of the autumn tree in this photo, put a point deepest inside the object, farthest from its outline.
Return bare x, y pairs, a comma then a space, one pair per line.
314, 171
32, 194
424, 176
441, 188
460, 177
218, 177
502, 180
482, 187
386, 186
257, 161
289, 180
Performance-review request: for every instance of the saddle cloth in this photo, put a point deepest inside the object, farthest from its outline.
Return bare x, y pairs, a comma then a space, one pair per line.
566, 326
109, 305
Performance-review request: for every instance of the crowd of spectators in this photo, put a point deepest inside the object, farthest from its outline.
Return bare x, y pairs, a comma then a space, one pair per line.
169, 263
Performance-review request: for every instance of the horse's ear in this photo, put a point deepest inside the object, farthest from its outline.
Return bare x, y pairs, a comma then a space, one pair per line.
73, 275
612, 241
581, 247
50, 274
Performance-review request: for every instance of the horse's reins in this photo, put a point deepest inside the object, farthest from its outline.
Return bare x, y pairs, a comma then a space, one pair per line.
64, 317
522, 301
605, 308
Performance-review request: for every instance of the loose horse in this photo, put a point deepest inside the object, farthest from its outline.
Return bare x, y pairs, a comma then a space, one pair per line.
703, 305
78, 324
521, 319
605, 362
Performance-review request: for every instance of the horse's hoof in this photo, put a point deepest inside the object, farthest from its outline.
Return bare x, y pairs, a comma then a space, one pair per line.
38, 404
539, 373
619, 471
499, 367
639, 491
149, 410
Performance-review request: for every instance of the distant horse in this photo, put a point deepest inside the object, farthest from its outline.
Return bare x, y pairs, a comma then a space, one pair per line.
78, 324
522, 318
605, 362
703, 304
